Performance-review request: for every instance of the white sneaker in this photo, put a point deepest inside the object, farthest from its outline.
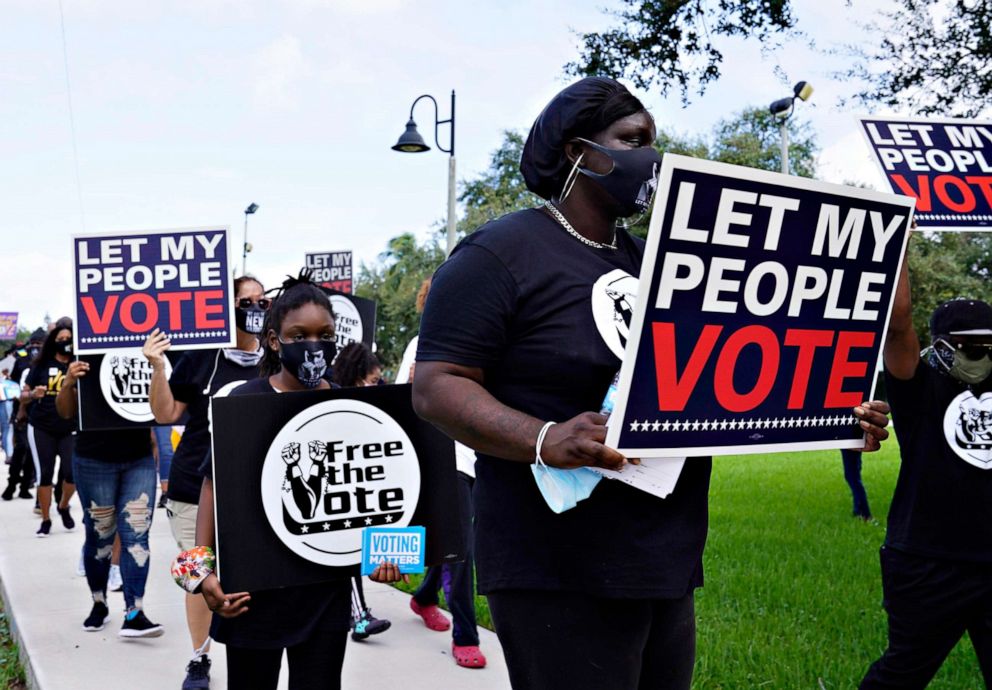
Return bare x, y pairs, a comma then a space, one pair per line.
114, 582
81, 566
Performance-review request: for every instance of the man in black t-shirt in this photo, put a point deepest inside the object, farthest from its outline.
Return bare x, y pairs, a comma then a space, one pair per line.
937, 556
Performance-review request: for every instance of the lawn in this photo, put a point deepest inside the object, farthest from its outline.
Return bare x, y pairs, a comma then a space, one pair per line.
11, 673
793, 590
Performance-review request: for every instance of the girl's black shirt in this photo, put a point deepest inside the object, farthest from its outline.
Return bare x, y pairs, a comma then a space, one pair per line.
42, 413
278, 618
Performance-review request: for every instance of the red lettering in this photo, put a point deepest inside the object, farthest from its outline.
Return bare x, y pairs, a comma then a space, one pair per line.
204, 310
984, 183
174, 302
967, 203
99, 322
127, 312
723, 377
674, 392
923, 201
842, 368
807, 341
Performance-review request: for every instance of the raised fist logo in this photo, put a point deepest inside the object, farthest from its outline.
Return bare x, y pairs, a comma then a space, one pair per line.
305, 495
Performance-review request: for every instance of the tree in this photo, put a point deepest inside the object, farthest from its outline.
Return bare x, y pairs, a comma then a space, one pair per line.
674, 42
498, 190
933, 58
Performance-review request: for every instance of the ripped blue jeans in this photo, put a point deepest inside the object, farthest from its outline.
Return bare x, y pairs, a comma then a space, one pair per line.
117, 498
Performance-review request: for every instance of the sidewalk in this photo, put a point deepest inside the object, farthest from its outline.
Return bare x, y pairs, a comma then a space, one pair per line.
46, 603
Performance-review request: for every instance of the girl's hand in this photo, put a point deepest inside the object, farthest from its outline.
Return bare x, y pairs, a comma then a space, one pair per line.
154, 348
225, 605
388, 572
77, 370
39, 392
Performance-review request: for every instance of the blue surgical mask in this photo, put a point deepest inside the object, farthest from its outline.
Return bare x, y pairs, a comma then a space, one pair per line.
563, 489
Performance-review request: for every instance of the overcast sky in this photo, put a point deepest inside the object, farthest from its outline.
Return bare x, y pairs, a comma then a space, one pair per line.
186, 111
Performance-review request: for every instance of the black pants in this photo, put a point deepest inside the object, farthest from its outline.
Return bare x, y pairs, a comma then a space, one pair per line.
456, 578
573, 641
313, 665
45, 446
21, 470
931, 603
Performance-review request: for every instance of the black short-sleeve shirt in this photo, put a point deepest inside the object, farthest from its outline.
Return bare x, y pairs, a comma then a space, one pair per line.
118, 445
198, 376
942, 506
537, 311
42, 413
288, 616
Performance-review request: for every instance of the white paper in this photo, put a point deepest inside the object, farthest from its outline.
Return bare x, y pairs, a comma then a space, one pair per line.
656, 476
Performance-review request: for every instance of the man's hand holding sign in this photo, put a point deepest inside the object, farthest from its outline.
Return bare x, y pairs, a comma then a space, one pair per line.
762, 305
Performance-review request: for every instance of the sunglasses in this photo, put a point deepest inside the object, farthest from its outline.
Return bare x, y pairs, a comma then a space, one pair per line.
974, 351
246, 303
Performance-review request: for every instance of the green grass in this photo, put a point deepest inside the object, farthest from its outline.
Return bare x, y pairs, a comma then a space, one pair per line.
793, 588
11, 673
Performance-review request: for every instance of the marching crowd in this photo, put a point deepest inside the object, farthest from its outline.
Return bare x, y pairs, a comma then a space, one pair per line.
510, 364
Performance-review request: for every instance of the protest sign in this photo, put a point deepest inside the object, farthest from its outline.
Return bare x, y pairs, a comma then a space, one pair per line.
761, 310
114, 393
8, 325
354, 318
129, 283
945, 164
403, 546
331, 270
295, 488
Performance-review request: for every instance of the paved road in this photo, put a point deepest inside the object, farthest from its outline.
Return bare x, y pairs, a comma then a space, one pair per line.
47, 603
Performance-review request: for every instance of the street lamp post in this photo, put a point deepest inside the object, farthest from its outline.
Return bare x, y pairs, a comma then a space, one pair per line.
783, 109
411, 142
245, 247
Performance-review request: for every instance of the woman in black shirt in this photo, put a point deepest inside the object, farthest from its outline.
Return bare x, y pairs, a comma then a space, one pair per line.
49, 435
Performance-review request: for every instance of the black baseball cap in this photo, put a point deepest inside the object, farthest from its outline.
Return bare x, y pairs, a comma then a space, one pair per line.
968, 317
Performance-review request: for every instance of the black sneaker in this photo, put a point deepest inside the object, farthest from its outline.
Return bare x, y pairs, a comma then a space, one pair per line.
25, 493
8, 493
136, 624
67, 520
97, 618
46, 527
161, 501
368, 625
197, 674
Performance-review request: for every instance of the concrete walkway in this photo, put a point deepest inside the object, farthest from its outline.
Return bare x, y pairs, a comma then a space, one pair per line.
47, 601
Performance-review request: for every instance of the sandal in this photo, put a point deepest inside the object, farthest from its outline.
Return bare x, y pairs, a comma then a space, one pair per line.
433, 618
469, 656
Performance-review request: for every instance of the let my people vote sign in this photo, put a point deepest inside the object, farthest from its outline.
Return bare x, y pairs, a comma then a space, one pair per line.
761, 310
945, 164
331, 270
128, 284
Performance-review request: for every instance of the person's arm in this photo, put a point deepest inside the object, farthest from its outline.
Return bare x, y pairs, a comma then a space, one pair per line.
901, 352
164, 405
66, 402
452, 398
225, 605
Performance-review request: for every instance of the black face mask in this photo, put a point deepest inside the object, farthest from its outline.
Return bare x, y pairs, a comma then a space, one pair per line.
63, 347
632, 181
307, 360
249, 320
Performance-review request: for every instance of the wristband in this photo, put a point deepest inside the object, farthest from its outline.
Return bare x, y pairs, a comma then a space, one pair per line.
540, 442
193, 566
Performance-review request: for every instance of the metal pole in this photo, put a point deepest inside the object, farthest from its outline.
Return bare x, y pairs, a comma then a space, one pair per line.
451, 205
244, 250
785, 147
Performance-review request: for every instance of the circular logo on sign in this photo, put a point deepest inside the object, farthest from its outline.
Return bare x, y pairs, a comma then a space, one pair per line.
347, 321
968, 428
613, 298
125, 379
333, 469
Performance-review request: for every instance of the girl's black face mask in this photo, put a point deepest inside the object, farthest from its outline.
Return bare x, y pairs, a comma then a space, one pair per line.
307, 360
63, 347
633, 180
249, 320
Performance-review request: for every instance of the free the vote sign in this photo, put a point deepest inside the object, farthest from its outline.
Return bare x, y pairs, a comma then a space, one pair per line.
761, 311
945, 164
128, 284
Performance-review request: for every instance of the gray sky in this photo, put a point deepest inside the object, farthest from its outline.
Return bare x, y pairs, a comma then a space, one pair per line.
186, 111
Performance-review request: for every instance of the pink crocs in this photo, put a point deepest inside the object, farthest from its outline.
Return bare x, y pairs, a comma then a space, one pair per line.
433, 618
469, 656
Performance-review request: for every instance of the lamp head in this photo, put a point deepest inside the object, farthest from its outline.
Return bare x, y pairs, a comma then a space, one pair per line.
411, 141
803, 90
252, 207
782, 108
248, 247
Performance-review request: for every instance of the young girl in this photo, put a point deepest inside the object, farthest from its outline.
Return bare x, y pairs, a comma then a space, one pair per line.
310, 622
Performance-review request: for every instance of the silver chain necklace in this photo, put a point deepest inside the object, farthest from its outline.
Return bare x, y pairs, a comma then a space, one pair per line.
553, 210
